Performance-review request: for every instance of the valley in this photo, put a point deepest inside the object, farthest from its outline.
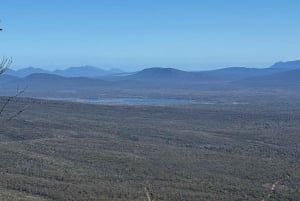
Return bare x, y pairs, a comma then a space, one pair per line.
59, 150
151, 100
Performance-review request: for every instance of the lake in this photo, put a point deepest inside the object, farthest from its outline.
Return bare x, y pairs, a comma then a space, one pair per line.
128, 101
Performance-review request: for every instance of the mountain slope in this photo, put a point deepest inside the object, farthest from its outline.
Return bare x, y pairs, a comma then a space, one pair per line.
6, 79
220, 75
282, 79
85, 71
25, 71
161, 74
289, 65
82, 71
44, 82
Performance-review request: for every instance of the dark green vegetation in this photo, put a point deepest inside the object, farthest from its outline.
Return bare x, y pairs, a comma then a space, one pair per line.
68, 151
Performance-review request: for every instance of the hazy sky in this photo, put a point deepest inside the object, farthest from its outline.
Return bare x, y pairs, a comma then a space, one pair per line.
133, 34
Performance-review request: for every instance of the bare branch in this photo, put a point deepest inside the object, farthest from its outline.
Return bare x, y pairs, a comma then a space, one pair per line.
18, 113
4, 64
9, 99
149, 194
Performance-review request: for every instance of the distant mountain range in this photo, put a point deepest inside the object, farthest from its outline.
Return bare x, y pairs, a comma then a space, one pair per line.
80, 80
82, 71
161, 73
220, 75
285, 71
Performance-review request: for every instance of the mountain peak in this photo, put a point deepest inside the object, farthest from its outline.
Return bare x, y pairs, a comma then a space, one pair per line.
160, 70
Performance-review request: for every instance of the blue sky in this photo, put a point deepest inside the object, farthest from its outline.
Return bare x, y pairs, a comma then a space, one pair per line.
135, 34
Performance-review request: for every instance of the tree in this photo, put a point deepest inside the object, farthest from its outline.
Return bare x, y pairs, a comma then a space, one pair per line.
4, 64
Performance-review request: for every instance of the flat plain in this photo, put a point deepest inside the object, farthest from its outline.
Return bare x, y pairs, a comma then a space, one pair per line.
58, 150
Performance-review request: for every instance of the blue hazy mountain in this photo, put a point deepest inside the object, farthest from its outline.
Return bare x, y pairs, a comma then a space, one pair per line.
92, 78
220, 75
158, 73
85, 71
43, 82
82, 71
9, 72
289, 65
290, 78
25, 71
5, 78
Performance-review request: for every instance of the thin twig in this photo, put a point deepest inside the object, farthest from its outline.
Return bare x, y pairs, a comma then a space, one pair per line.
20, 92
147, 194
273, 187
4, 64
18, 113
